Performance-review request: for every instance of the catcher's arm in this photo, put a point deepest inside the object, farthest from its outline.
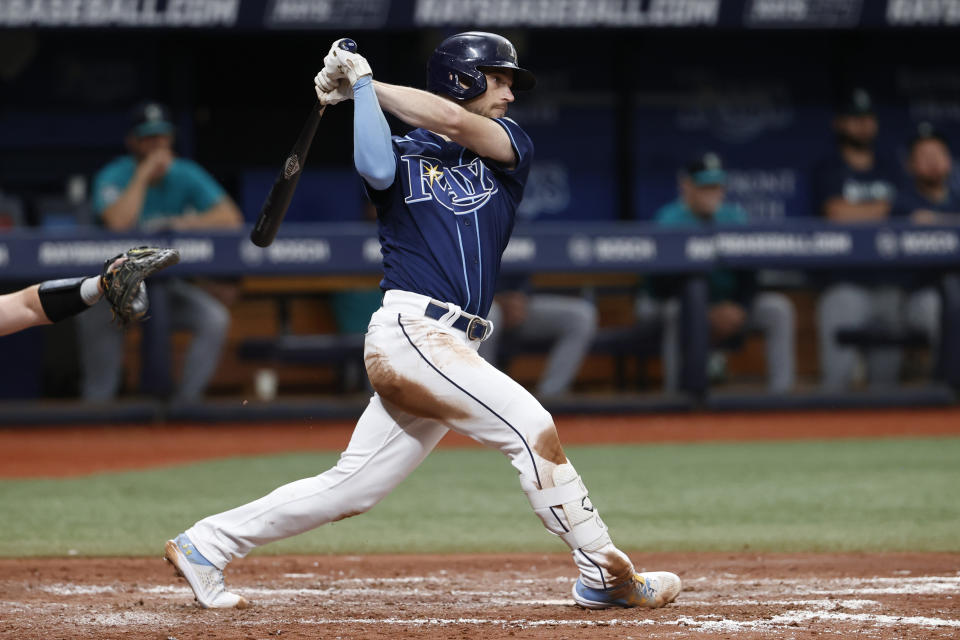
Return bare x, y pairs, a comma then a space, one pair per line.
121, 279
21, 309
47, 302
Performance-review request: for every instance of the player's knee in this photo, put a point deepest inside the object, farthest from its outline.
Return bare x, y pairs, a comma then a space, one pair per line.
540, 420
215, 321
778, 309
361, 505
585, 317
783, 307
545, 440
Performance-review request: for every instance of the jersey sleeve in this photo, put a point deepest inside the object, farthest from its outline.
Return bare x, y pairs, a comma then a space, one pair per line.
204, 190
669, 215
516, 178
107, 187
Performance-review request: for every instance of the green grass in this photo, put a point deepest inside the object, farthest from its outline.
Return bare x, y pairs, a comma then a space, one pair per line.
869, 495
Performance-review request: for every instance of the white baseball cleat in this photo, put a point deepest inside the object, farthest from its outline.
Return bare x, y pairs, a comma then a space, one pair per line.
649, 590
204, 578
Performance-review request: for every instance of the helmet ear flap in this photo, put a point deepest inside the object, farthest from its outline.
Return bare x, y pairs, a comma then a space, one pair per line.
472, 84
459, 79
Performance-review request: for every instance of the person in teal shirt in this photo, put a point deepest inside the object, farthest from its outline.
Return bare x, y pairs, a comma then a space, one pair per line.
151, 189
735, 304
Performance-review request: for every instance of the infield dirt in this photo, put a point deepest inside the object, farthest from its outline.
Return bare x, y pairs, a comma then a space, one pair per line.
726, 595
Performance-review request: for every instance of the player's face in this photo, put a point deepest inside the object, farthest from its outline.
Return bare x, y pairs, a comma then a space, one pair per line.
861, 128
703, 200
143, 146
930, 161
493, 102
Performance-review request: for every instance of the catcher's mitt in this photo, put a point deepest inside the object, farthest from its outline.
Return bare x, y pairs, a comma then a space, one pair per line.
122, 279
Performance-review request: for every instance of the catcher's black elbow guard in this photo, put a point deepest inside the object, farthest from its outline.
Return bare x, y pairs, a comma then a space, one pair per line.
61, 298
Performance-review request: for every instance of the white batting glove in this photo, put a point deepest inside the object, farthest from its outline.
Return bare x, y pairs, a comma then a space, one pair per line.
346, 64
326, 81
342, 91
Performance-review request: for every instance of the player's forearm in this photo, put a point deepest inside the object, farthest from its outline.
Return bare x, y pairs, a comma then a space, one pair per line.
839, 210
124, 213
926, 216
419, 108
372, 147
20, 310
223, 215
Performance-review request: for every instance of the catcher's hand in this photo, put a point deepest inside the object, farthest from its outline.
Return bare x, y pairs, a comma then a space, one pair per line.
122, 280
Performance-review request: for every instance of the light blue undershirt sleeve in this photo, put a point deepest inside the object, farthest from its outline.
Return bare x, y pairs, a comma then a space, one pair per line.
372, 148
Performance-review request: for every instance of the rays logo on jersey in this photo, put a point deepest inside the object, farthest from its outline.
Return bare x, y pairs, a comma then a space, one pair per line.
461, 189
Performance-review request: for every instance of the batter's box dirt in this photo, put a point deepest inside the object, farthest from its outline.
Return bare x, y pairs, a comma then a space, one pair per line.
485, 596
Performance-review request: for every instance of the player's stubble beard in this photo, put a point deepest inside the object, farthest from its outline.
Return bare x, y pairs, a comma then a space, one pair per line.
495, 110
858, 143
931, 183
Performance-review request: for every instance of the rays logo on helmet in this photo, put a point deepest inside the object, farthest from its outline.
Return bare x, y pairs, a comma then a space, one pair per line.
460, 189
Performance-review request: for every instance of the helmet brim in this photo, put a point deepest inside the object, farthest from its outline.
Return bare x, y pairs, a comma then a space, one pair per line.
523, 80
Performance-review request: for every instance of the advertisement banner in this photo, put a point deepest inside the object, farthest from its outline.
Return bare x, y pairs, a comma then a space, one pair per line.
478, 14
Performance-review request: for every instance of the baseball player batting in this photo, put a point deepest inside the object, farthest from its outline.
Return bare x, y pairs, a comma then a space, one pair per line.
446, 196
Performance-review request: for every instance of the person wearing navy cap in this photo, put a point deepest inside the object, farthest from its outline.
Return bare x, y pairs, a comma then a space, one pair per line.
928, 197
856, 185
735, 304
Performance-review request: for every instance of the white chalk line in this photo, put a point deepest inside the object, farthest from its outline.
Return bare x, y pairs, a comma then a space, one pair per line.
698, 623
265, 595
826, 603
415, 579
279, 595
928, 585
126, 619
811, 610
78, 589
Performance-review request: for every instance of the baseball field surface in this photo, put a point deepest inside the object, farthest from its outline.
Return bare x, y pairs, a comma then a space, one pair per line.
793, 525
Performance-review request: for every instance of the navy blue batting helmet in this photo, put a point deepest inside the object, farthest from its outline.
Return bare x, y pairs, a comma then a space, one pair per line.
461, 60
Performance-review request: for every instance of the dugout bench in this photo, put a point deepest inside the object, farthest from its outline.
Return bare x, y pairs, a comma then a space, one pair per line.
629, 340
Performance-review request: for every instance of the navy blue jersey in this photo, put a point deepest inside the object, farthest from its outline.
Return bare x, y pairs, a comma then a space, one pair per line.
910, 200
447, 217
834, 178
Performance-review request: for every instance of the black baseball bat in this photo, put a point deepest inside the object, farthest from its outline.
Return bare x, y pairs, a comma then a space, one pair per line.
281, 191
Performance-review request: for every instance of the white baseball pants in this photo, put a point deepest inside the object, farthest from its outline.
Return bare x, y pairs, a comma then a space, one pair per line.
428, 378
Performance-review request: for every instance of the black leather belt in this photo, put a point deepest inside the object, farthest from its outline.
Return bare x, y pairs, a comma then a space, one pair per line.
475, 327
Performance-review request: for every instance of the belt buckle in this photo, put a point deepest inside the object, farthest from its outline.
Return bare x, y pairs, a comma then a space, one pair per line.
471, 331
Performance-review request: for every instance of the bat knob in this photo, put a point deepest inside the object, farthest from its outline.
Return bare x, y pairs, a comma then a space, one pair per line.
348, 45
